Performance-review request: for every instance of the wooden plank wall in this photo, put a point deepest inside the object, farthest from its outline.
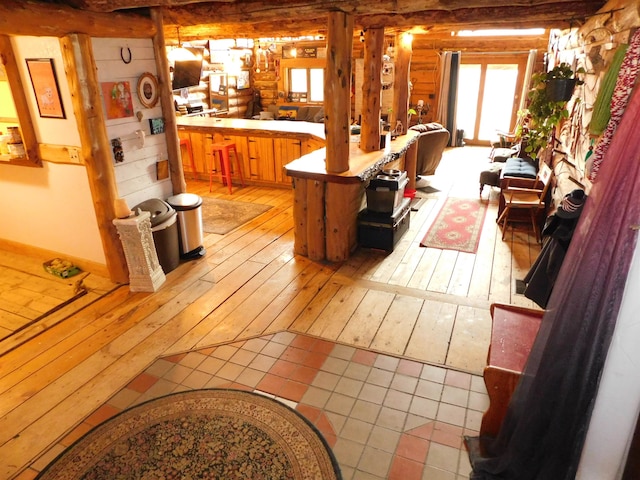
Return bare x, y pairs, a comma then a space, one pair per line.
136, 176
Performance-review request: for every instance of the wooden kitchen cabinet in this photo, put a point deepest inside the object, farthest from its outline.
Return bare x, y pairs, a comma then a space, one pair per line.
261, 159
264, 147
285, 150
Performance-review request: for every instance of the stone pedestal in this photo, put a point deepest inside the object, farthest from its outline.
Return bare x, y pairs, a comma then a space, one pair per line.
145, 272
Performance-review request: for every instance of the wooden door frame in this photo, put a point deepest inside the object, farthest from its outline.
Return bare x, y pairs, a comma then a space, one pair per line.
484, 59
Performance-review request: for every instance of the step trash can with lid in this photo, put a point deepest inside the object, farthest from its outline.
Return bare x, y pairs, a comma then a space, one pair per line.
164, 228
189, 208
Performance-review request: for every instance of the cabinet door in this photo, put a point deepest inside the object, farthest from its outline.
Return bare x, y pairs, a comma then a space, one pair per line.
311, 145
261, 161
285, 150
198, 148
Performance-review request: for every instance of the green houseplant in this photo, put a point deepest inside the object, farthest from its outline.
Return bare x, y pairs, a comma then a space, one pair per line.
547, 108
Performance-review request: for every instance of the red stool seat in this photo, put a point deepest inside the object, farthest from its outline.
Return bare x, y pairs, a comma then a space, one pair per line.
224, 149
187, 143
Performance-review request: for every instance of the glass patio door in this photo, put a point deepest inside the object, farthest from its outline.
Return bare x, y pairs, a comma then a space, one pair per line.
488, 95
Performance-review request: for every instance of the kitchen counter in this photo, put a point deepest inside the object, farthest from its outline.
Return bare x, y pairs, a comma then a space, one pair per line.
253, 127
284, 153
326, 205
263, 146
362, 165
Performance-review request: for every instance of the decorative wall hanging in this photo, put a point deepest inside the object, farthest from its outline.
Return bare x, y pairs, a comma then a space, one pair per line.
117, 99
118, 152
147, 90
243, 80
45, 87
156, 125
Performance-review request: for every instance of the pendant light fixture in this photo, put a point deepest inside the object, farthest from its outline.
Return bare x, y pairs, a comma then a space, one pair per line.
180, 53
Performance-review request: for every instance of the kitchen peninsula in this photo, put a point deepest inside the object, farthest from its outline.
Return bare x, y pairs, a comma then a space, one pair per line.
284, 153
326, 205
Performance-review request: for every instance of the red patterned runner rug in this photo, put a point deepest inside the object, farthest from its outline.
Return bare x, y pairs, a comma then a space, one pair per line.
216, 433
457, 226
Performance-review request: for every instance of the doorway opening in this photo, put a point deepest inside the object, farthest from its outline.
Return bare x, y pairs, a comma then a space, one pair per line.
489, 90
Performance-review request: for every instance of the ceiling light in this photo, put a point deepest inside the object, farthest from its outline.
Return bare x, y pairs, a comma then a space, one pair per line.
180, 53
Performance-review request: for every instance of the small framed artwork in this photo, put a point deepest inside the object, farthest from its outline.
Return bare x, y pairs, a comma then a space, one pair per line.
156, 125
117, 99
148, 90
243, 80
45, 87
162, 169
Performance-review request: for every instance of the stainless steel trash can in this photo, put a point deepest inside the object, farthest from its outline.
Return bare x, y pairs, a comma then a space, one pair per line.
189, 209
164, 230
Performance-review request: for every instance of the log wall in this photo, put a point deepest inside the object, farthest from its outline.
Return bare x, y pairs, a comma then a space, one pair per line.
424, 74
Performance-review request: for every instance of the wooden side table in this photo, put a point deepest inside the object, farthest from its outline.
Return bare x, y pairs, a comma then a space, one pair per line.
513, 332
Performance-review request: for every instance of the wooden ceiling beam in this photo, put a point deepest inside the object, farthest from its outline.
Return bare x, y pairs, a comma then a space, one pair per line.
200, 23
25, 17
266, 10
356, 7
553, 14
106, 6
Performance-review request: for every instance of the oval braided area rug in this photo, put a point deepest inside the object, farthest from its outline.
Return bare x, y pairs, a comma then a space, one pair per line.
200, 434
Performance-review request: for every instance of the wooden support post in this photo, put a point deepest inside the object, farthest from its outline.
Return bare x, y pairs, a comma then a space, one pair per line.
315, 220
337, 91
166, 100
343, 202
300, 243
371, 88
82, 75
401, 80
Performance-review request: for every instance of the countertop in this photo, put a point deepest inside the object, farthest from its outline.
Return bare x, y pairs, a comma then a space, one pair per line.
362, 165
285, 128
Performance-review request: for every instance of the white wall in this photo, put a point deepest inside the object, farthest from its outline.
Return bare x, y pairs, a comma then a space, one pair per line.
136, 175
51, 207
617, 404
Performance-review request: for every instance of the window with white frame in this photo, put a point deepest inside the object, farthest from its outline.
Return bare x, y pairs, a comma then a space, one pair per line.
307, 83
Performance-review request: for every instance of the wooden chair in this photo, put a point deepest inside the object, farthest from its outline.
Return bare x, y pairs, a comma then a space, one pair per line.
519, 199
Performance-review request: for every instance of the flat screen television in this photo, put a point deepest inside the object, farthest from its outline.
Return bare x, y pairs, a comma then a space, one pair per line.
186, 73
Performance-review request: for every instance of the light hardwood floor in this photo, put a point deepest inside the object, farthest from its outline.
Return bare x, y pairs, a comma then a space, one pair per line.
421, 303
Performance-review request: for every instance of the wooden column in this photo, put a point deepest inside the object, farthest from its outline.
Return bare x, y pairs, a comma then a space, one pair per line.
84, 86
371, 88
316, 246
337, 91
300, 245
166, 101
401, 80
343, 202
411, 164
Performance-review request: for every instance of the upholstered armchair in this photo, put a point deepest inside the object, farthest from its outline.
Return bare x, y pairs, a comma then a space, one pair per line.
431, 144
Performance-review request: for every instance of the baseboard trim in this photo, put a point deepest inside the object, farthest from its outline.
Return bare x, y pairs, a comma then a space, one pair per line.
44, 255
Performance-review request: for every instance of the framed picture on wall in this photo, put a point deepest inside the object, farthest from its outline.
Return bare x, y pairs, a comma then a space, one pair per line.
243, 80
148, 90
117, 99
45, 87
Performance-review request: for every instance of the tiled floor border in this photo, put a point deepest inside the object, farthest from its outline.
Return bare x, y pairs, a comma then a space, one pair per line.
384, 417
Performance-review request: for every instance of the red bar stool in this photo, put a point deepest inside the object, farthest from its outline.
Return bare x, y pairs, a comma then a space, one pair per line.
224, 149
187, 143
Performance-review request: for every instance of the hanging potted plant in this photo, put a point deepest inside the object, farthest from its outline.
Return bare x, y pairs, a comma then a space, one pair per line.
561, 82
545, 111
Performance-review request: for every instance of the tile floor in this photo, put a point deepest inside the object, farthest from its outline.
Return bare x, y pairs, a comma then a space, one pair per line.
384, 417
